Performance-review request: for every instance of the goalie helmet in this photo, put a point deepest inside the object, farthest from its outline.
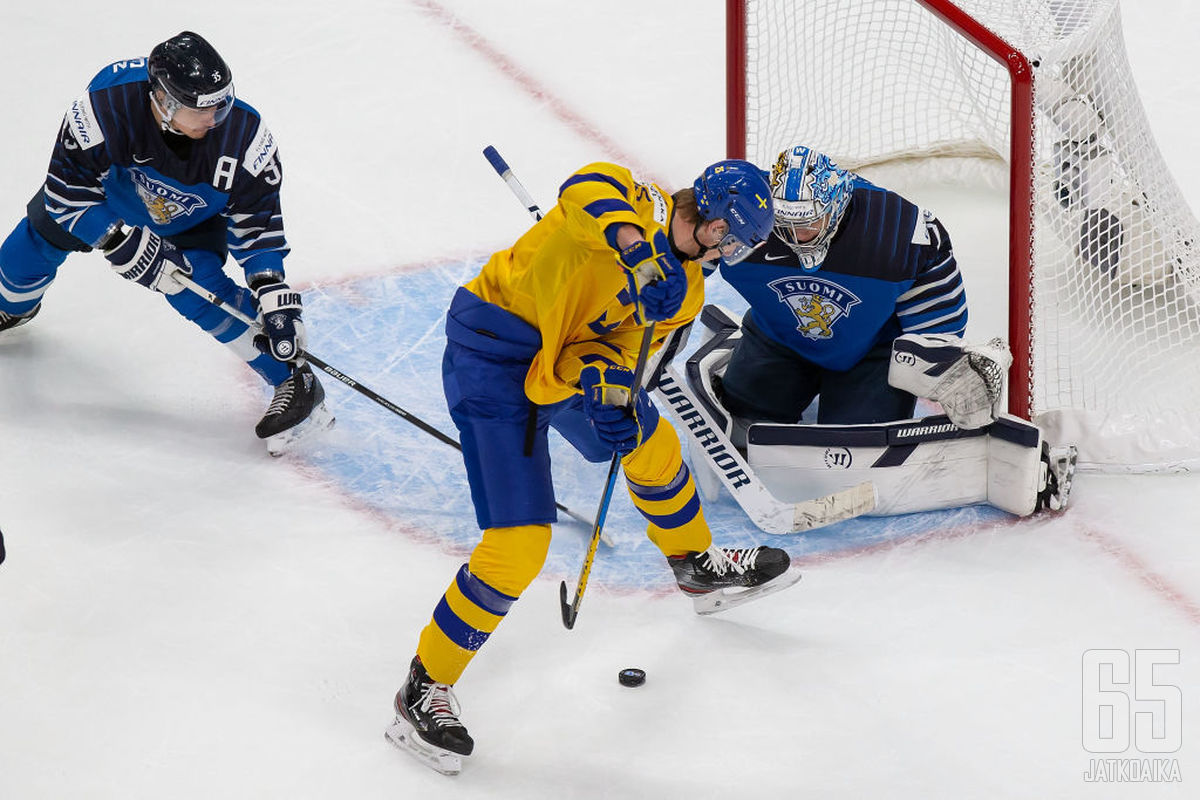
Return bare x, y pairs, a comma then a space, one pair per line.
737, 192
811, 195
192, 74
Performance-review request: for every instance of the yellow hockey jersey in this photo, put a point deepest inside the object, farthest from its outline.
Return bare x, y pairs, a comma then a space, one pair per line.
563, 278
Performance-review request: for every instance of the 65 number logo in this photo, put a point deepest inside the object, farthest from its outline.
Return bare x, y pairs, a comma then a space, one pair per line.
1131, 701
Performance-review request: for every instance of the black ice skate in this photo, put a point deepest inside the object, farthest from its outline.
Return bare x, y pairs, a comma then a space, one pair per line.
13, 320
297, 411
720, 578
1058, 473
427, 723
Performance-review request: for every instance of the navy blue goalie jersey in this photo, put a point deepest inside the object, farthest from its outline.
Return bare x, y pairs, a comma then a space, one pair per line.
890, 270
113, 163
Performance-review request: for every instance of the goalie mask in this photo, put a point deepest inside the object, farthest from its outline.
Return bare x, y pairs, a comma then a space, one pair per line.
737, 192
191, 74
811, 195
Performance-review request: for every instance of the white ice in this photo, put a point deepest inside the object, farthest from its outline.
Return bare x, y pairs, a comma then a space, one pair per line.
183, 617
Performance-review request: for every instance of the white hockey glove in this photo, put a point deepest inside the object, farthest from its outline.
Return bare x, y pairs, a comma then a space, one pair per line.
967, 379
279, 309
142, 256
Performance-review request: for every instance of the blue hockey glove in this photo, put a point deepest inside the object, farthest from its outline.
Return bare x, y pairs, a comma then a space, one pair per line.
279, 309
618, 424
142, 256
656, 277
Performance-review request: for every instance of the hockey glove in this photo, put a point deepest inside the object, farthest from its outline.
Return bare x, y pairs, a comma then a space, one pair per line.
142, 256
656, 278
967, 379
618, 425
279, 309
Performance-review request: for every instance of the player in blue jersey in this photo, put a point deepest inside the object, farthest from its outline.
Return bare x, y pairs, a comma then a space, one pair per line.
164, 170
848, 268
856, 301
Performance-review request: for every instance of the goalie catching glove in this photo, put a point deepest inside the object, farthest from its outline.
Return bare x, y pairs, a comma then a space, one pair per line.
618, 424
142, 256
967, 379
657, 280
279, 309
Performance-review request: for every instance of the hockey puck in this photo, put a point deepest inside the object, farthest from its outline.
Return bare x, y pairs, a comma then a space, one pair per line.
632, 676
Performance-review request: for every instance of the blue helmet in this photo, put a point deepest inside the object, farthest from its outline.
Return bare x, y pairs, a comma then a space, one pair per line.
737, 192
811, 196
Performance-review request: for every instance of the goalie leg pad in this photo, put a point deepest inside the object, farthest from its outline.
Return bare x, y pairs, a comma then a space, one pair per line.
915, 465
1014, 466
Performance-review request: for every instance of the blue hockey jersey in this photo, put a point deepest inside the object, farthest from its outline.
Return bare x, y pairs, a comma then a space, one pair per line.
112, 162
890, 270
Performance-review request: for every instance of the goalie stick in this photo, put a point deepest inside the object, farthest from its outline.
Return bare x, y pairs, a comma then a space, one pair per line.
200, 291
764, 510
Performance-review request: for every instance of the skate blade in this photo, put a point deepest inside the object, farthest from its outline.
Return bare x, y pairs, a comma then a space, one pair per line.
723, 600
321, 419
404, 735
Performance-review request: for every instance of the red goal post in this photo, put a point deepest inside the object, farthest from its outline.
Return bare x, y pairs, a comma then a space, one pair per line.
1100, 241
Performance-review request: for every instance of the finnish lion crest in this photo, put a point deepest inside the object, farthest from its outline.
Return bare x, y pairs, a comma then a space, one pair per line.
164, 202
817, 303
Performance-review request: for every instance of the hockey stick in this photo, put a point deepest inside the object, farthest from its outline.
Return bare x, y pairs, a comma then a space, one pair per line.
571, 610
765, 511
200, 291
506, 174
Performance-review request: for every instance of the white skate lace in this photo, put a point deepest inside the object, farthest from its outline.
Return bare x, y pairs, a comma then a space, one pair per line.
719, 560
439, 702
283, 397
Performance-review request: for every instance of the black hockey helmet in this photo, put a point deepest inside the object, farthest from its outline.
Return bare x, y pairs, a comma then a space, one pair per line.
192, 74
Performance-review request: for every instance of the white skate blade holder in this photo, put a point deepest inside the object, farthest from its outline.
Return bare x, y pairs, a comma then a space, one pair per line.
405, 736
320, 419
724, 599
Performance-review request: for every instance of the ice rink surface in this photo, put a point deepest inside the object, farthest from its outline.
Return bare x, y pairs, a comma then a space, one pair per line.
182, 616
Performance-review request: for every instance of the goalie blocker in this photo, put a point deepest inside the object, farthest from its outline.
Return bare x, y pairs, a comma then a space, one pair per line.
917, 464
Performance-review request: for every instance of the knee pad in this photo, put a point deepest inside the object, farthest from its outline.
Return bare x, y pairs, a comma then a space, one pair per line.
508, 559
657, 460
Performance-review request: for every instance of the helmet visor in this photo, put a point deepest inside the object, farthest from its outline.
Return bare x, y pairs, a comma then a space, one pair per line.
732, 249
219, 103
214, 106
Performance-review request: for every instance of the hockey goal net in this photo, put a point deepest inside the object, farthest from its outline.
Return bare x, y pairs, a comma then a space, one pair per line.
1104, 276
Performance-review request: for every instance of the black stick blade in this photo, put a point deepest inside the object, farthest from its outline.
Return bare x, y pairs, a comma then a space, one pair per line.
568, 613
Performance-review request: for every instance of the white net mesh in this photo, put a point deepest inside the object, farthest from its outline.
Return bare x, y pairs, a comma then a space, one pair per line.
1116, 275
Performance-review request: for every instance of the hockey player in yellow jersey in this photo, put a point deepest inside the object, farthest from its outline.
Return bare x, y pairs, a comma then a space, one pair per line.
548, 335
